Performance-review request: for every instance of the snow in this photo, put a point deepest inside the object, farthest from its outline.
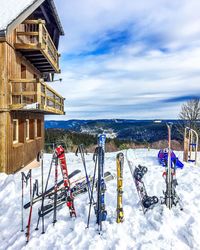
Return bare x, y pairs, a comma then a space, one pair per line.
10, 9
159, 228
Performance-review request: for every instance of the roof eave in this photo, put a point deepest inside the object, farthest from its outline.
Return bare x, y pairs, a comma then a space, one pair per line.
57, 18
2, 35
22, 16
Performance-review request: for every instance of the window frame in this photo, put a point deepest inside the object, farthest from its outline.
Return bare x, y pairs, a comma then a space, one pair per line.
39, 128
35, 128
27, 129
16, 132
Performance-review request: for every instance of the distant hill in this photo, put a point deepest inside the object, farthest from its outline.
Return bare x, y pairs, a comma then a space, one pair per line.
133, 130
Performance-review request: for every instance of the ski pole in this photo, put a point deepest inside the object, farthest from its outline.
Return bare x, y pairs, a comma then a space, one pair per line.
22, 209
55, 191
30, 183
93, 183
81, 150
42, 176
43, 196
35, 190
24, 179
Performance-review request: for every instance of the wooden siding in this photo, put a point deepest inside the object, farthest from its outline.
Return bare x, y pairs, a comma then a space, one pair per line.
16, 156
13, 157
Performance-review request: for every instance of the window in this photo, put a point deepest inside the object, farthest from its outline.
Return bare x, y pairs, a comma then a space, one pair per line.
27, 129
35, 128
23, 71
39, 128
31, 129
15, 131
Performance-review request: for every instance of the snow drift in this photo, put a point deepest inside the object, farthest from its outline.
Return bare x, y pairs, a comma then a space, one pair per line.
159, 228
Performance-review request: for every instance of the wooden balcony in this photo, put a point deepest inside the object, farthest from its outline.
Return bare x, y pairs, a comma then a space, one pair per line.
35, 43
35, 95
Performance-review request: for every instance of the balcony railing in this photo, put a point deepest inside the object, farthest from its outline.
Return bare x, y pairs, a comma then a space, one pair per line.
35, 95
31, 37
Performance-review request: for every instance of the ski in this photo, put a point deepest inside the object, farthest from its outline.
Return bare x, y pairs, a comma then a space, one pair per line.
101, 212
61, 197
81, 187
120, 167
147, 202
50, 191
58, 156
170, 196
69, 196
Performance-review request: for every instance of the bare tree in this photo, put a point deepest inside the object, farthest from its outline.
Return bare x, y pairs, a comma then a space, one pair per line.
190, 112
190, 115
68, 144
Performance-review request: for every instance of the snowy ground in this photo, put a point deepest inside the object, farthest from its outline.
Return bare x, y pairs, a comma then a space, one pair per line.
157, 229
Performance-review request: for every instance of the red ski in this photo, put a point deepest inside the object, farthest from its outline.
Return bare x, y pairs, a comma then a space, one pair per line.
69, 196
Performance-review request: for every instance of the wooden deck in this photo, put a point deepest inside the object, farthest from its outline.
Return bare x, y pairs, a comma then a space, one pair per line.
35, 95
35, 43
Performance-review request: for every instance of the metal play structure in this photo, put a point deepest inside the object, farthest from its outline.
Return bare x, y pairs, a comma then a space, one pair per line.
191, 141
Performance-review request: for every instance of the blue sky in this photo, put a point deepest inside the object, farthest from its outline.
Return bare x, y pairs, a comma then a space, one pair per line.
128, 59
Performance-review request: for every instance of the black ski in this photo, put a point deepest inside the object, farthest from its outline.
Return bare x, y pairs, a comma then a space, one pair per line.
50, 191
61, 197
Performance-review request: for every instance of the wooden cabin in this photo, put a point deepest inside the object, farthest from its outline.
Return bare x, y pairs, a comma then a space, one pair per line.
29, 38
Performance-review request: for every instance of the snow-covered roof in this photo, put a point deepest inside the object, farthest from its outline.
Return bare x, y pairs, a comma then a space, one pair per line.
11, 9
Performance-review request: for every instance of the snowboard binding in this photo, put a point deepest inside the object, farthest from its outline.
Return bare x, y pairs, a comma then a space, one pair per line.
139, 172
147, 202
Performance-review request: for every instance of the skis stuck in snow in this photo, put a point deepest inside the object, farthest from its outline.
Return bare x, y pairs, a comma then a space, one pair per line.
99, 205
120, 168
78, 189
170, 196
55, 193
147, 202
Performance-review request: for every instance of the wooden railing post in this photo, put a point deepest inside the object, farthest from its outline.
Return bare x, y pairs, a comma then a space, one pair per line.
39, 93
45, 94
21, 96
11, 93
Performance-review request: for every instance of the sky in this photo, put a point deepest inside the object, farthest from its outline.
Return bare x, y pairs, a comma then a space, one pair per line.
134, 59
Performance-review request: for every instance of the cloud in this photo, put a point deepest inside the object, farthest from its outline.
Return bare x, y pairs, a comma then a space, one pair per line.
158, 22
128, 59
